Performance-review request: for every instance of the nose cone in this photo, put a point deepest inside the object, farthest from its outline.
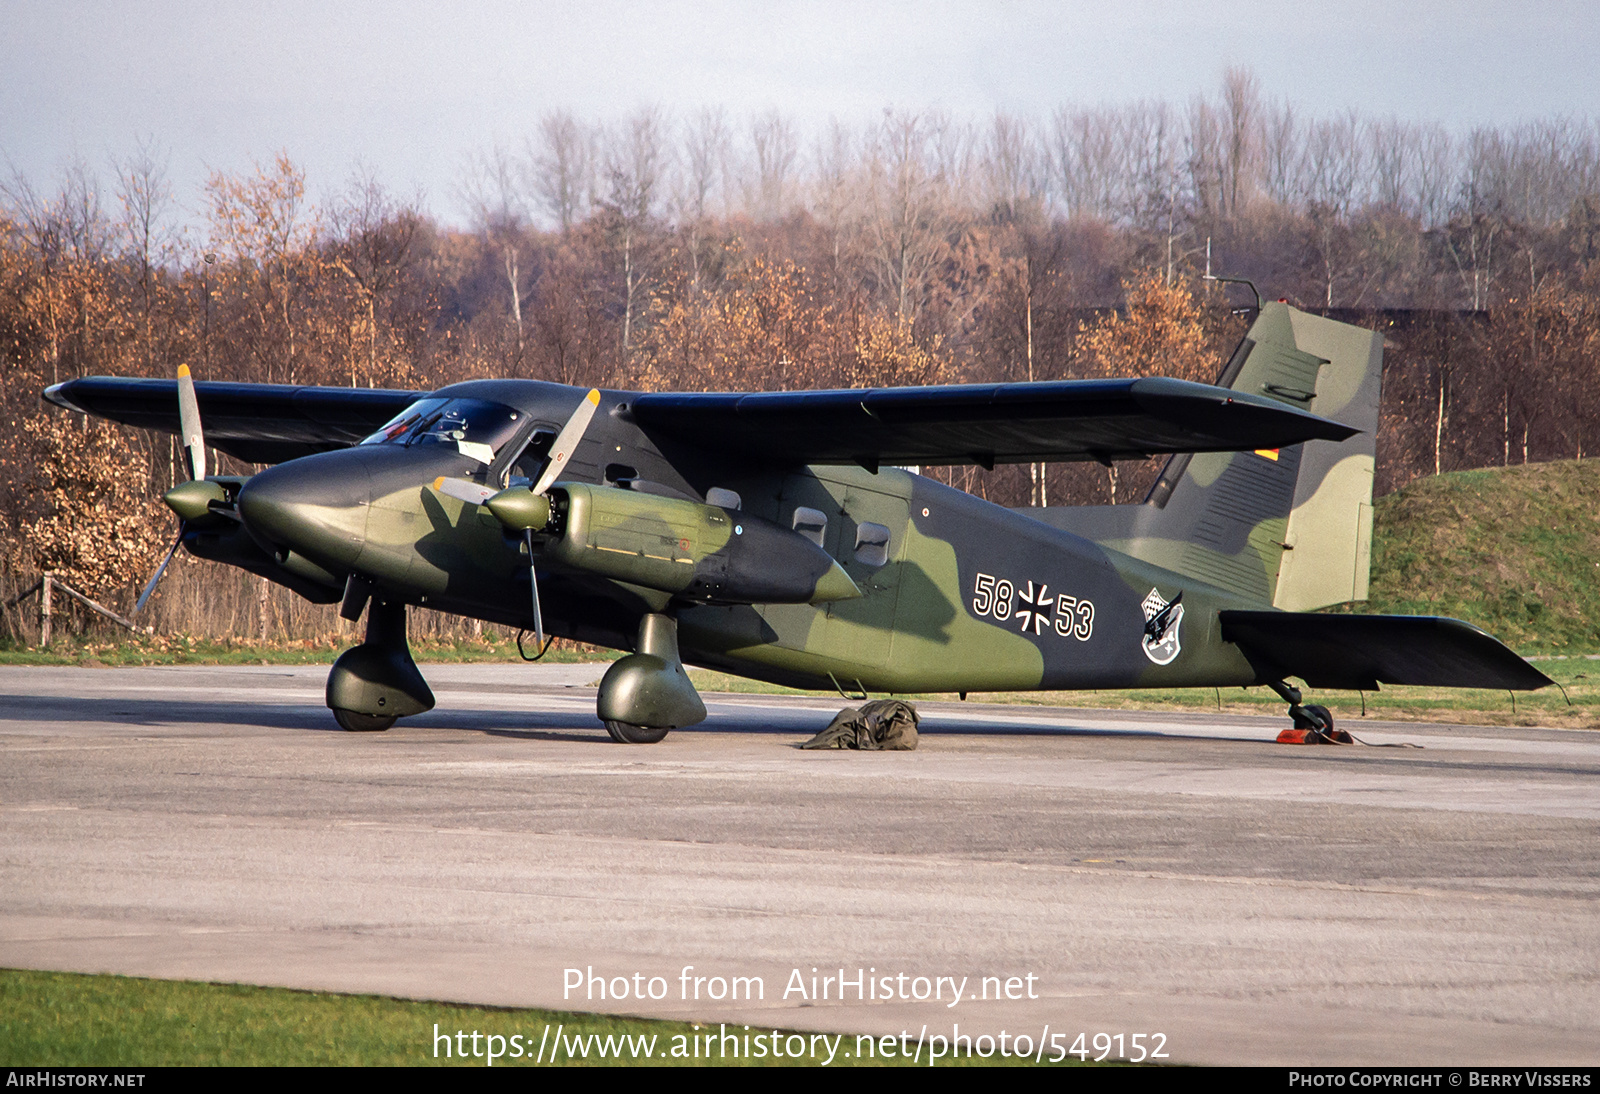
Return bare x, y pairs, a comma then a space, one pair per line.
316, 506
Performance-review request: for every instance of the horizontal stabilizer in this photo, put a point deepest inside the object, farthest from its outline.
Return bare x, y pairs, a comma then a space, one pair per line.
1359, 652
257, 423
983, 423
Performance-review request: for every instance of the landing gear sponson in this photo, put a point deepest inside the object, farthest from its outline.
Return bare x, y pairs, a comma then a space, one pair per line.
647, 693
376, 682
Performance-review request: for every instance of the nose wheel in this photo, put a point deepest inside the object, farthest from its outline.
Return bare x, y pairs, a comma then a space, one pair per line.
626, 734
377, 682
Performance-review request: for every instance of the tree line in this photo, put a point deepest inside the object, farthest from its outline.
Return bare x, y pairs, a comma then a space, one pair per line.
702, 252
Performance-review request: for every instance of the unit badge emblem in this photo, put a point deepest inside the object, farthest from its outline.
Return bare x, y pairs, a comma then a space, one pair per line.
1162, 621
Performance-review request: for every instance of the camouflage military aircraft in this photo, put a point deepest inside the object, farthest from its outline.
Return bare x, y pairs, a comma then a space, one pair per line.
773, 535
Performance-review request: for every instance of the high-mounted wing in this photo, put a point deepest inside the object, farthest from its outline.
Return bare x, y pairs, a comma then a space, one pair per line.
983, 424
257, 423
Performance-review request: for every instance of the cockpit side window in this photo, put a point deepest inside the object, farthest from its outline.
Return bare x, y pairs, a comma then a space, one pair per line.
476, 422
396, 428
532, 460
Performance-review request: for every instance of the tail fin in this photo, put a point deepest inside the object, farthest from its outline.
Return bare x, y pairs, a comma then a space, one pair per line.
1291, 527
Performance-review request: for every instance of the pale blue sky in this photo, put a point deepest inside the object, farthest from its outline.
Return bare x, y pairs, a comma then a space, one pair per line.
412, 88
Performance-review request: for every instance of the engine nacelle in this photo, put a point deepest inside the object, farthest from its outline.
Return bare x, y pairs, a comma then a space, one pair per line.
678, 546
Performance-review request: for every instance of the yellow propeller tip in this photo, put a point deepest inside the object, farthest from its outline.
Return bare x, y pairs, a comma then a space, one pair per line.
593, 396
438, 484
183, 370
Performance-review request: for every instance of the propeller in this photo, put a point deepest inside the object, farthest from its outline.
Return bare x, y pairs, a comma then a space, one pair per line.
160, 570
188, 499
527, 508
566, 441
471, 492
194, 444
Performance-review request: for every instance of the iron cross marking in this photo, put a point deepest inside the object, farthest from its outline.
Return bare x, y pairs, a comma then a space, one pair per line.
1034, 609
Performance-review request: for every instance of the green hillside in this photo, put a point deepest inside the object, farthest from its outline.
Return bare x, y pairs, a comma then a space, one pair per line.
1515, 550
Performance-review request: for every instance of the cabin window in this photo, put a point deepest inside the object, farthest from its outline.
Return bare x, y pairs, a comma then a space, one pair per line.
872, 544
724, 499
811, 523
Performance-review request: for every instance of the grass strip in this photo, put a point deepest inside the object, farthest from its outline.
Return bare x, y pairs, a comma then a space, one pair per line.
76, 1020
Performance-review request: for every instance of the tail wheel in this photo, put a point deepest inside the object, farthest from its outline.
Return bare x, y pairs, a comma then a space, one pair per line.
624, 733
1301, 721
362, 723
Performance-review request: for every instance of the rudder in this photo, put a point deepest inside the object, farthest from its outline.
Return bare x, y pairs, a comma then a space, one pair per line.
1291, 527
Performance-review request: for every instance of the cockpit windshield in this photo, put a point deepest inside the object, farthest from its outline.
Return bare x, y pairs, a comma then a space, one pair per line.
475, 426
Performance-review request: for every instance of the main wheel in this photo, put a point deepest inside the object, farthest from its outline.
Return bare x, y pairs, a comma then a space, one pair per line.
1327, 719
628, 734
362, 723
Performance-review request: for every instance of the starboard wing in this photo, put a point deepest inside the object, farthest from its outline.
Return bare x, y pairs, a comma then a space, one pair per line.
971, 423
983, 424
257, 423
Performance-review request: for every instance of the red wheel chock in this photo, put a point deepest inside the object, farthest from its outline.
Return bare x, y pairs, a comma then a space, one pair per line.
1315, 737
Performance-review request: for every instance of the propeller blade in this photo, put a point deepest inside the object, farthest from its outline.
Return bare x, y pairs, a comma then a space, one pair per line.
194, 455
533, 583
150, 588
194, 444
567, 440
462, 490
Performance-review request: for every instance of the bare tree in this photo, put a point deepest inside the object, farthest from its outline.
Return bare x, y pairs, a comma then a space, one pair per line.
1088, 159
777, 149
1393, 147
67, 235
951, 152
1435, 168
1150, 134
907, 214
561, 168
146, 198
1241, 108
265, 224
1478, 216
635, 161
1014, 179
492, 188
1333, 169
1281, 153
373, 240
836, 191
706, 145
1204, 160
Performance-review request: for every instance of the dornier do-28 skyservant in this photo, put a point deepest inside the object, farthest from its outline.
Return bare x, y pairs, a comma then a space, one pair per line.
772, 535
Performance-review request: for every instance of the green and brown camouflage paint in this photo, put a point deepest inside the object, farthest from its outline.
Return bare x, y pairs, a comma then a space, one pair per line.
965, 595
855, 576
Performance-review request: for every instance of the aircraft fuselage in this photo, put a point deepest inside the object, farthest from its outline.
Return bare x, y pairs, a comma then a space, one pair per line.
957, 594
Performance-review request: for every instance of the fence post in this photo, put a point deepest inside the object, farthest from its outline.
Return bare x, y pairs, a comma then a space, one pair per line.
44, 609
